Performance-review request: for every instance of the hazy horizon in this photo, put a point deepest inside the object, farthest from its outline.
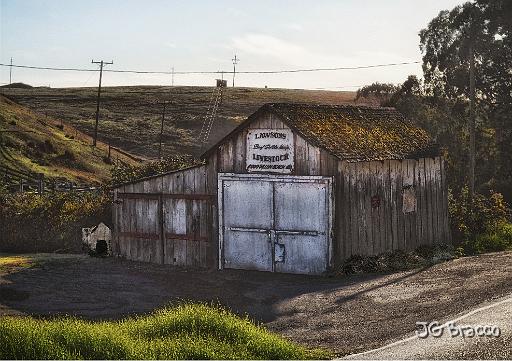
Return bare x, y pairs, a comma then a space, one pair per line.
204, 36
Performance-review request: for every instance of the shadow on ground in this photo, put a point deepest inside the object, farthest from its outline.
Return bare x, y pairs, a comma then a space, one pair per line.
348, 314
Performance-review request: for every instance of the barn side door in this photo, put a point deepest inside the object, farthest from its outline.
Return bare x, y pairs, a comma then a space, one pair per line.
164, 228
138, 227
186, 225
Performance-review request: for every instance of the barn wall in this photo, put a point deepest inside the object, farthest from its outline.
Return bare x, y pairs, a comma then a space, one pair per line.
366, 230
166, 219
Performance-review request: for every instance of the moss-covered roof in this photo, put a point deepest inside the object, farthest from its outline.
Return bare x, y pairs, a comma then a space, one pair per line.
356, 133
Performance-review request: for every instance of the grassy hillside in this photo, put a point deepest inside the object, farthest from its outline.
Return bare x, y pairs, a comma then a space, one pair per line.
131, 116
35, 143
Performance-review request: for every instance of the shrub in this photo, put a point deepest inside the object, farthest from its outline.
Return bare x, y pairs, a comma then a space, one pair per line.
498, 238
47, 146
68, 155
397, 260
51, 221
122, 172
481, 224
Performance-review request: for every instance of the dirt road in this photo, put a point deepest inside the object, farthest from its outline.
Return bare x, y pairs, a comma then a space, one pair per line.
347, 315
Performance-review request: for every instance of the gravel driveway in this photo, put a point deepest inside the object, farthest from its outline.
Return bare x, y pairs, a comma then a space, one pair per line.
348, 314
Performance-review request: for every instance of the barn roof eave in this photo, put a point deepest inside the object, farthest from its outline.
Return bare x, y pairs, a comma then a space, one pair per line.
119, 185
245, 123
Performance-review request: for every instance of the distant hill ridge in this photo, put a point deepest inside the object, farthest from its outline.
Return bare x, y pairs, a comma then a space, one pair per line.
131, 116
17, 86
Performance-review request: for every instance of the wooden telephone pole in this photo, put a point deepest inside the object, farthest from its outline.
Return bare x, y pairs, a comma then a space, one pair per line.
102, 64
10, 73
161, 134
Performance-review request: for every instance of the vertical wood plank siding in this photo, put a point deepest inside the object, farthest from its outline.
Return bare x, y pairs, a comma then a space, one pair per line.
369, 217
162, 229
366, 230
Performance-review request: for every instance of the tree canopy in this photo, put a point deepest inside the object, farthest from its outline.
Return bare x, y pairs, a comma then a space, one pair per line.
486, 25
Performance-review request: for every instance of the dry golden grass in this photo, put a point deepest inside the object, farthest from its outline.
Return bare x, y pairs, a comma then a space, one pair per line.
31, 142
131, 116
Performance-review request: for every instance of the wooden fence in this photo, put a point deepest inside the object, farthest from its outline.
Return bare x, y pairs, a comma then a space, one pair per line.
21, 181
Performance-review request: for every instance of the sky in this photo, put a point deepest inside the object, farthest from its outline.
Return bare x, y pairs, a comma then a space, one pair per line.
204, 35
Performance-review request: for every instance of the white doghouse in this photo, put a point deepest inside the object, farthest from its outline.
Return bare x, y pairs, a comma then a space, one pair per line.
98, 239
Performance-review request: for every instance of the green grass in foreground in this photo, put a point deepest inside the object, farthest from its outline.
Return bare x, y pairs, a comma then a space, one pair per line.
191, 331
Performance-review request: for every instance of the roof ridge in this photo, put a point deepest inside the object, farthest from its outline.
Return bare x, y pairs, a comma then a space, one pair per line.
318, 105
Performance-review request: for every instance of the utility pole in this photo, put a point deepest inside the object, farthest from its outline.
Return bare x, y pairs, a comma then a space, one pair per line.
161, 134
10, 72
222, 88
172, 77
102, 64
472, 120
235, 61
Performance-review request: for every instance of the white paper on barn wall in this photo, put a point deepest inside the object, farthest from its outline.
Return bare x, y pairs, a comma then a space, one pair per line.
270, 151
409, 199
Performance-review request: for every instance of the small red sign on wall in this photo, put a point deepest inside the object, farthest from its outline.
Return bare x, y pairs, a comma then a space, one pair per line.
375, 202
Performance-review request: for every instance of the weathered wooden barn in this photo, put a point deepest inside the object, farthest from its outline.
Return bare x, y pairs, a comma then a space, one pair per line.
295, 188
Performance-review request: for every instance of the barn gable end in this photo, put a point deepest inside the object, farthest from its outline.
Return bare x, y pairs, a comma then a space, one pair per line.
231, 153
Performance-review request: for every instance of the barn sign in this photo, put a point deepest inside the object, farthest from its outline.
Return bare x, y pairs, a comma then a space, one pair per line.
270, 151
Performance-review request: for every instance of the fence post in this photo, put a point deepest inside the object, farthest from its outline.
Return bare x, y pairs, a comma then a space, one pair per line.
21, 185
40, 184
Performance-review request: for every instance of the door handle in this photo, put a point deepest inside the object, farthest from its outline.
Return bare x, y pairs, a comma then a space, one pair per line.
241, 229
299, 233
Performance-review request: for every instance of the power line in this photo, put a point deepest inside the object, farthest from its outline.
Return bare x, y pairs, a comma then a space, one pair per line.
338, 87
218, 71
327, 69
46, 68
